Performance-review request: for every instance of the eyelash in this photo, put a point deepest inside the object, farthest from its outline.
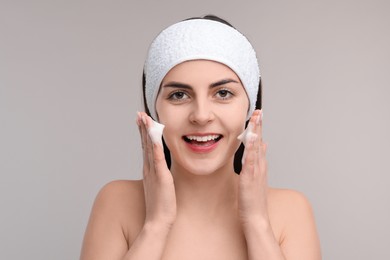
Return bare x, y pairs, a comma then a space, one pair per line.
228, 93
172, 96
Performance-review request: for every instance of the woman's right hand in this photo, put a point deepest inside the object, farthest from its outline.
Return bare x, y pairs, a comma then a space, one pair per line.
159, 190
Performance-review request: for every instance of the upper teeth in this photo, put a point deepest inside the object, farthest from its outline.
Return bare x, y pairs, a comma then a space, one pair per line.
202, 138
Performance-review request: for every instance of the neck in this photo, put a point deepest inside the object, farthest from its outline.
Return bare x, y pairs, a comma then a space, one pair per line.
205, 195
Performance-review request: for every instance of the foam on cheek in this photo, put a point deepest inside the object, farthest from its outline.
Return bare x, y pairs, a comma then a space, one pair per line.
246, 137
155, 132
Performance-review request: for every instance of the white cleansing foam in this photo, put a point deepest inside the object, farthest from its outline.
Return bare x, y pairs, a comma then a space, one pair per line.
155, 132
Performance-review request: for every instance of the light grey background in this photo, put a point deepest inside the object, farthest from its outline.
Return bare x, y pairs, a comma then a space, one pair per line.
70, 86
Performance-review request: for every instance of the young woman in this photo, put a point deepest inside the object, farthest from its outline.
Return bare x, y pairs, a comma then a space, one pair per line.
202, 81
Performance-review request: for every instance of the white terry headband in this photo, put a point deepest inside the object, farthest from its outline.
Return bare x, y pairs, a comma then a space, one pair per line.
200, 39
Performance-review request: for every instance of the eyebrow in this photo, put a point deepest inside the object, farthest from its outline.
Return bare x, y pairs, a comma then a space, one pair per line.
223, 82
174, 84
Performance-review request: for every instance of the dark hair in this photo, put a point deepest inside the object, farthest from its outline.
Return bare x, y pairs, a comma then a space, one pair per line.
240, 150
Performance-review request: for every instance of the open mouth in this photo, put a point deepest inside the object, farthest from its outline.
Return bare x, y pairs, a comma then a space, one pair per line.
204, 140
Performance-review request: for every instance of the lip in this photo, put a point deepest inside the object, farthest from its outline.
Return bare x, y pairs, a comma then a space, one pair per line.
206, 147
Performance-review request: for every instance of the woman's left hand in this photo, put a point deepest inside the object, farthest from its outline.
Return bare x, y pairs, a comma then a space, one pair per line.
252, 196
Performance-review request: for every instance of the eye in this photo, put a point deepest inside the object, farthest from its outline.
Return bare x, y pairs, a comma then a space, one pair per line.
177, 96
224, 94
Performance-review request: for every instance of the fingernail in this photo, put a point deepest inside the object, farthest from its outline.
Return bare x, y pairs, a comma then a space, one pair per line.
144, 120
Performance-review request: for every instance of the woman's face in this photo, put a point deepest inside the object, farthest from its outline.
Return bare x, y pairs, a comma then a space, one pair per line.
203, 106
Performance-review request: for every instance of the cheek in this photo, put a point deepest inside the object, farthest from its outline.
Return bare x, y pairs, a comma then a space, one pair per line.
236, 118
237, 127
169, 116
173, 124
237, 113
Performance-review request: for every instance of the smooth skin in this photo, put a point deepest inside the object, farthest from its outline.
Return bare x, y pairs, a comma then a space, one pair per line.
201, 209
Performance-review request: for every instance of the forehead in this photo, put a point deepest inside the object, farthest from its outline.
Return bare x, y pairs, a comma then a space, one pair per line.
200, 70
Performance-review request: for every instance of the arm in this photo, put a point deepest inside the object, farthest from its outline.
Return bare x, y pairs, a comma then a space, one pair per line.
105, 237
261, 242
150, 243
160, 199
299, 241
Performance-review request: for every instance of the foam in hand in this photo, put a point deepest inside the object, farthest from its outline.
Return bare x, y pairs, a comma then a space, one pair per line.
155, 132
247, 135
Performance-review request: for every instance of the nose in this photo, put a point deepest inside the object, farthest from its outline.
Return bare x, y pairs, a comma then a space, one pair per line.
201, 112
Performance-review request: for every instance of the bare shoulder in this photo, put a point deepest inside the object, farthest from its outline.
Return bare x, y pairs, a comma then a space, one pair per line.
116, 217
292, 215
122, 201
290, 201
288, 207
121, 191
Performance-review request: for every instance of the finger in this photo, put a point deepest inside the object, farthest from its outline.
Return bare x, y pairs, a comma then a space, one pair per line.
258, 122
139, 124
262, 159
262, 150
258, 131
144, 136
250, 159
149, 144
254, 161
157, 156
160, 164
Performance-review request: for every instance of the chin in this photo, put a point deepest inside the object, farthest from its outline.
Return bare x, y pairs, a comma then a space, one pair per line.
202, 171
203, 167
